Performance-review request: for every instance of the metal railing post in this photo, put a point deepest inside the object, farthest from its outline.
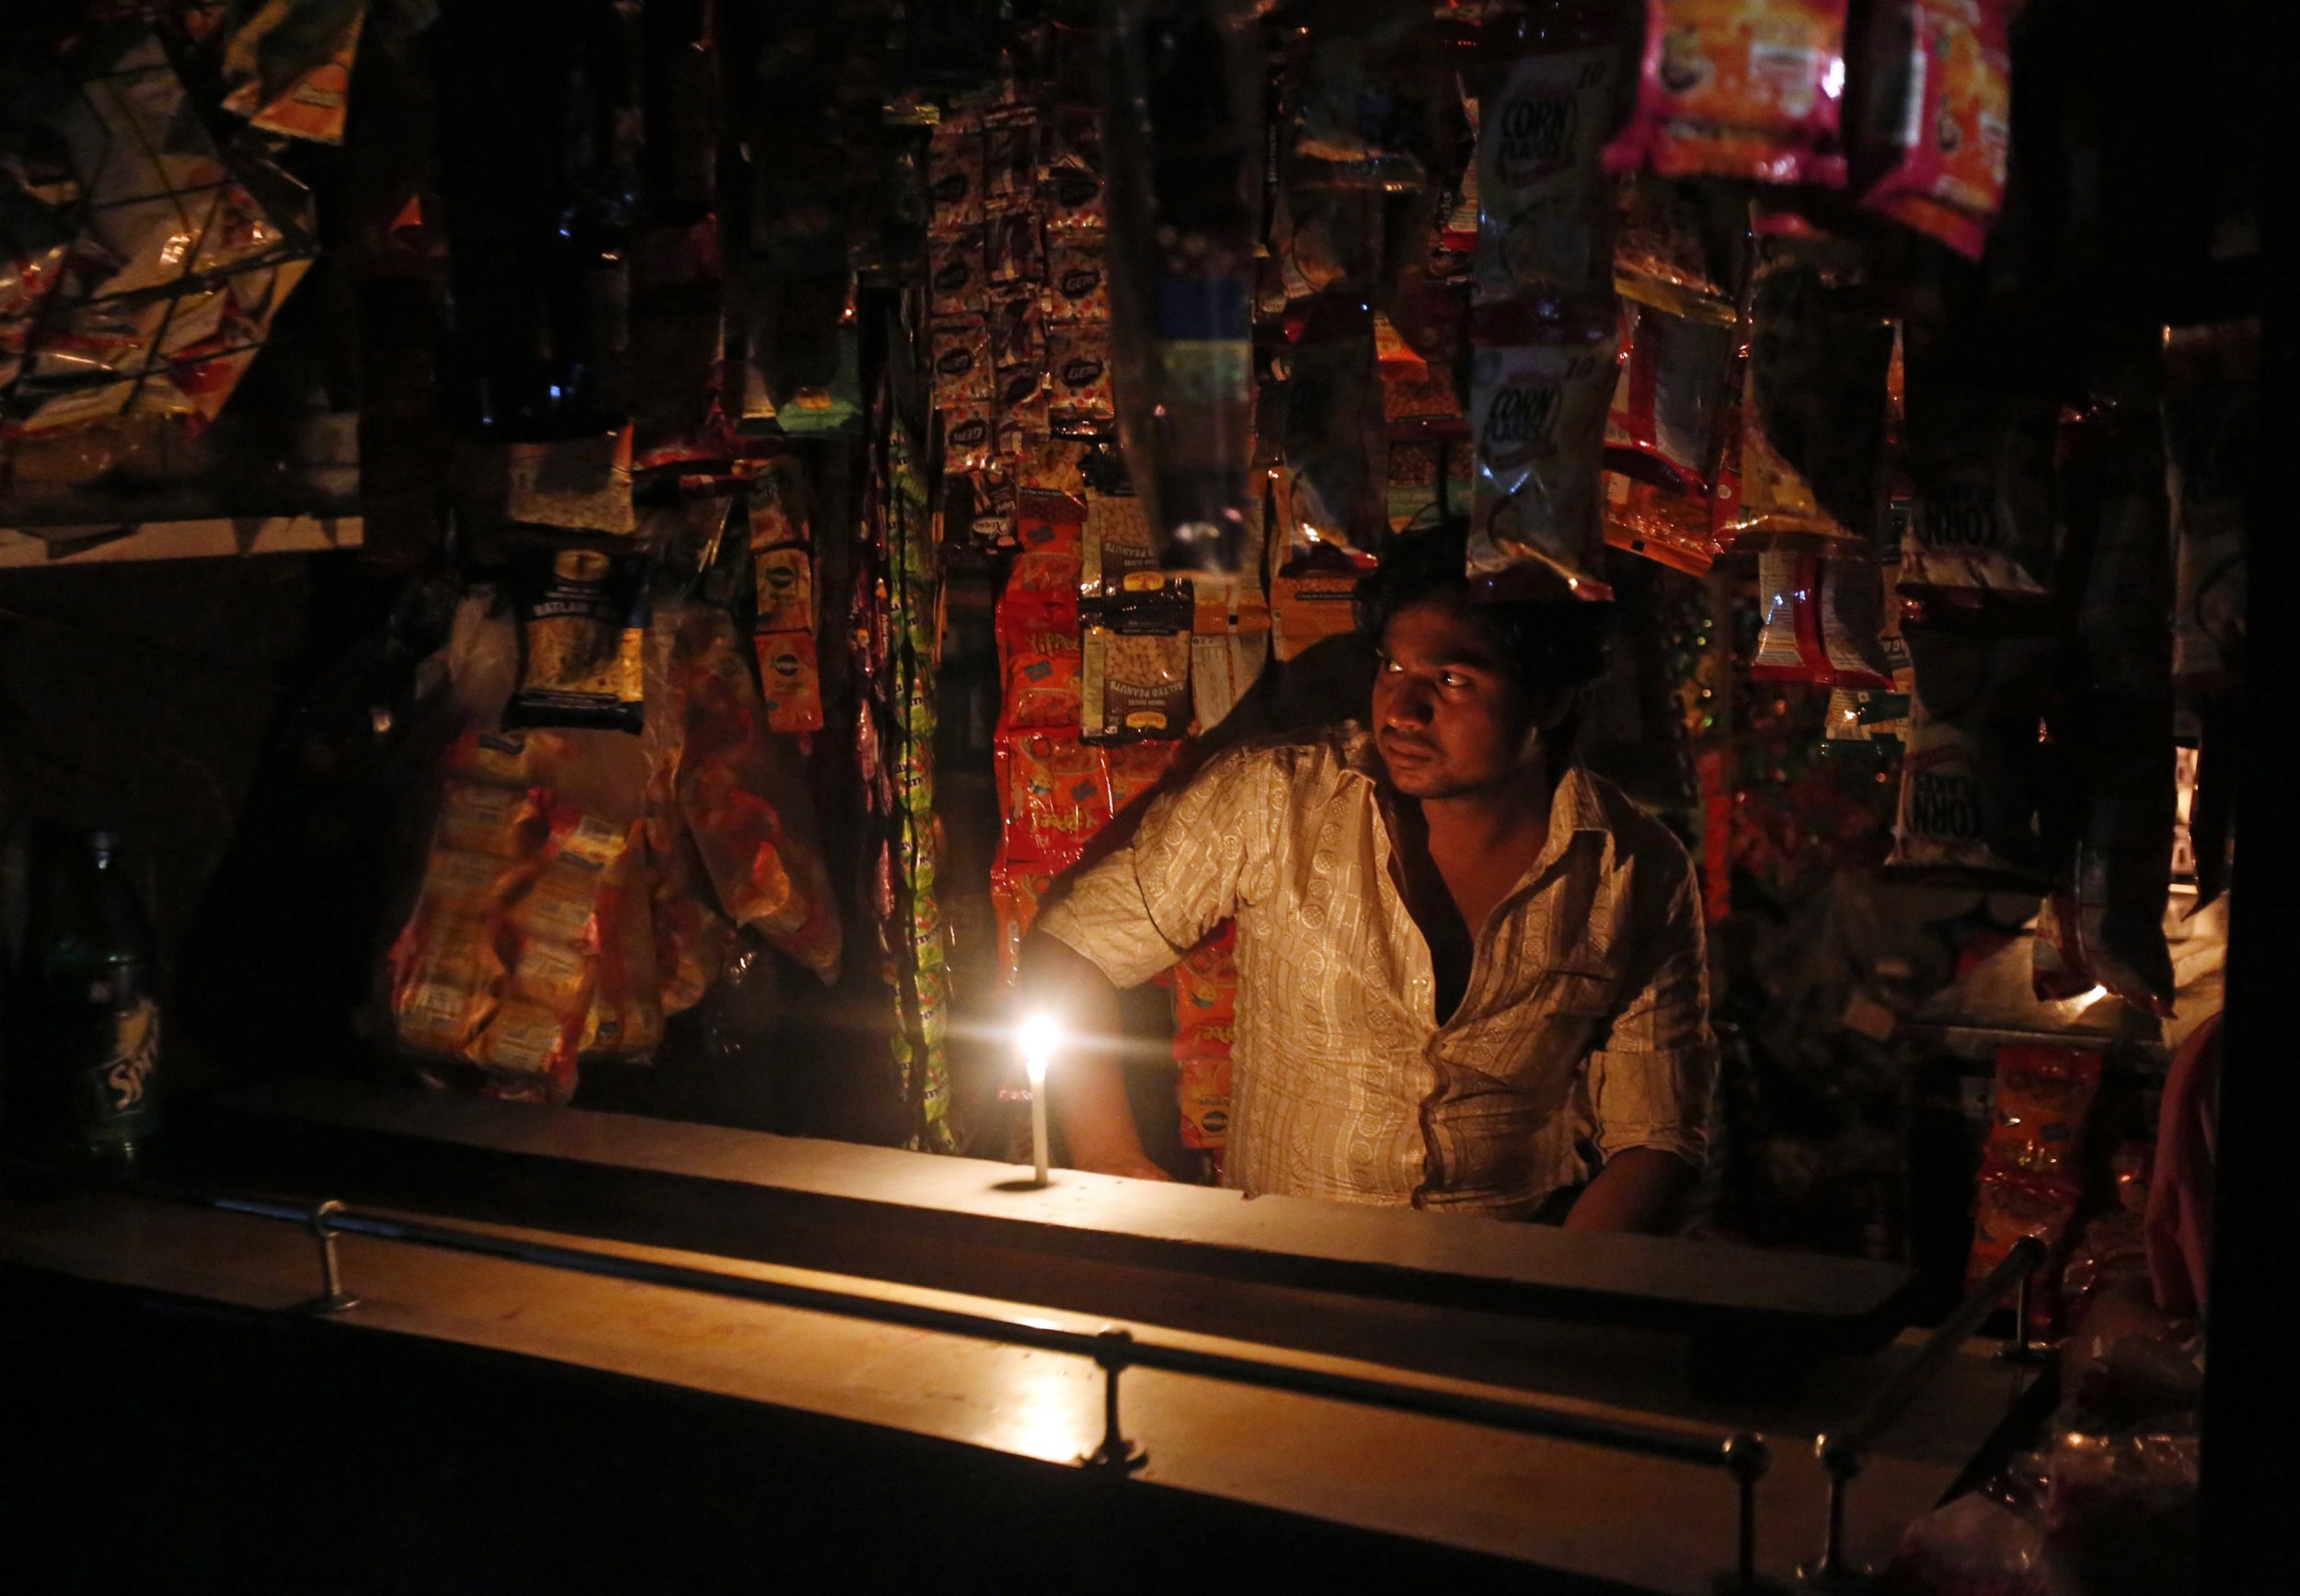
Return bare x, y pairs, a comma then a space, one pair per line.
1113, 1350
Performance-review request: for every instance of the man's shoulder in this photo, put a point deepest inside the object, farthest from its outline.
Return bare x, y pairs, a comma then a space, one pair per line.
1319, 757
1639, 837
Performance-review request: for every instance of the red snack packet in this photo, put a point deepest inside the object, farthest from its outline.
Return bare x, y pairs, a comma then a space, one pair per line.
1939, 116
1201, 1091
2044, 1095
2010, 1207
790, 681
1055, 790
1045, 521
1135, 769
1739, 89
1016, 889
1822, 622
1664, 428
1040, 669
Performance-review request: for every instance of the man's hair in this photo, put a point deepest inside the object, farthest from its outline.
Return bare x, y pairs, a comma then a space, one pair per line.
1546, 645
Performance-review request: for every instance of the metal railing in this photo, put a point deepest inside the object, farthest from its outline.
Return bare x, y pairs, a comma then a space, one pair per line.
1845, 1448
1744, 1456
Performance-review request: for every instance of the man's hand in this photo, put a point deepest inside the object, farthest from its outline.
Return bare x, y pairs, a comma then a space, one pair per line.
1137, 1167
1639, 1189
1088, 1092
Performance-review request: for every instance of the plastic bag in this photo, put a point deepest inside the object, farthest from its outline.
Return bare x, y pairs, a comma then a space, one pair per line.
1814, 399
1970, 773
1054, 790
1981, 520
744, 797
1739, 88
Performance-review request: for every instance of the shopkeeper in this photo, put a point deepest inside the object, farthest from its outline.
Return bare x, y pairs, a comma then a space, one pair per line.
1470, 973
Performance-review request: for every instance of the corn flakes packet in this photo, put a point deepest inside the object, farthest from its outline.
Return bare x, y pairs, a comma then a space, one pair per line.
1812, 467
1739, 88
582, 635
1542, 200
1540, 381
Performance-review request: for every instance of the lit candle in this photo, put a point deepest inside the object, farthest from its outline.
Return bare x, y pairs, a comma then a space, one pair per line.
1039, 1033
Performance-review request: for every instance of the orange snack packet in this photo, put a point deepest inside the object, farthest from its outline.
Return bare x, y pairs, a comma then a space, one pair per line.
1739, 88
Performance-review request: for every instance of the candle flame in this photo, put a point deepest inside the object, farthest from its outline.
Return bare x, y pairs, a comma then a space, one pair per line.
1039, 1035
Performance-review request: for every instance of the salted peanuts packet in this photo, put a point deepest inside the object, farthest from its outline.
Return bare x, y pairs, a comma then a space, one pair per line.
1739, 88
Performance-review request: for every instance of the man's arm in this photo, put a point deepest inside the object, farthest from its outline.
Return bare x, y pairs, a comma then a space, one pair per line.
1650, 1085
1641, 1188
1087, 1091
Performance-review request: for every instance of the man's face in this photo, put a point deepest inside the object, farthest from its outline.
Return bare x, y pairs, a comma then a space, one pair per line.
1448, 720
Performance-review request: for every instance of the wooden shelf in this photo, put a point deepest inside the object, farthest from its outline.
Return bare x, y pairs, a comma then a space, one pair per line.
102, 544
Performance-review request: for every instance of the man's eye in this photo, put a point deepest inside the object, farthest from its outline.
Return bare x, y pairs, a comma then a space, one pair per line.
1390, 667
1452, 679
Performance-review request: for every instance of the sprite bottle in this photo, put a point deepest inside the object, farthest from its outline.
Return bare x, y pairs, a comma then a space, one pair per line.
87, 1013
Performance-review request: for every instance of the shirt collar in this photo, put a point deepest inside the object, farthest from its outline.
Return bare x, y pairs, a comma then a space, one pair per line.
1576, 801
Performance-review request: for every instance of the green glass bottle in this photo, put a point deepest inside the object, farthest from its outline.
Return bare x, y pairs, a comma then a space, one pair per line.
87, 1013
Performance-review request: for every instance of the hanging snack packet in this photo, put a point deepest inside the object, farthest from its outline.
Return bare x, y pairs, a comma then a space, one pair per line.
955, 274
1739, 88
1308, 609
1073, 177
778, 503
954, 173
1014, 255
1969, 777
1055, 792
963, 367
582, 634
1980, 522
1046, 520
2211, 426
1010, 155
1543, 204
1078, 366
1540, 381
786, 590
1039, 652
790, 681
1814, 401
1937, 129
1114, 543
1077, 289
1016, 889
1662, 431
1135, 771
744, 796
1331, 502
1822, 621
1134, 673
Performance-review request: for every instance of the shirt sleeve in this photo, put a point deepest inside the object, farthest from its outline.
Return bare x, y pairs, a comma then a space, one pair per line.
1200, 855
1650, 1085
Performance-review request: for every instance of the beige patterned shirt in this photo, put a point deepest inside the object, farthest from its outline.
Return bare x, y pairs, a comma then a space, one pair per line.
1583, 1029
